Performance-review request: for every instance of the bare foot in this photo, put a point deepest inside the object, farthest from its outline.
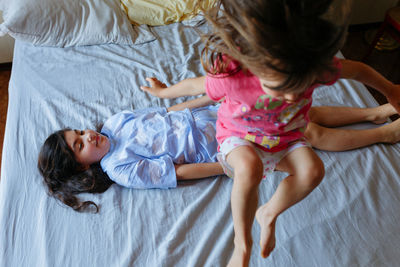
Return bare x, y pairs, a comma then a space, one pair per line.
391, 132
239, 258
382, 113
267, 236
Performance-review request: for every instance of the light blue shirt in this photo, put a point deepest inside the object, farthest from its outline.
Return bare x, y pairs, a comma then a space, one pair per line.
145, 144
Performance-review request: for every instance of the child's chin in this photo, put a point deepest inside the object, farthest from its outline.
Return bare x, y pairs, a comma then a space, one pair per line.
107, 144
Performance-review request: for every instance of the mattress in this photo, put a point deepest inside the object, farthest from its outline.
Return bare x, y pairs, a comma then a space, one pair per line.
350, 219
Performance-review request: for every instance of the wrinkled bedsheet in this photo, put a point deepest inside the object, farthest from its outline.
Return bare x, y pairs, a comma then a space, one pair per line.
351, 219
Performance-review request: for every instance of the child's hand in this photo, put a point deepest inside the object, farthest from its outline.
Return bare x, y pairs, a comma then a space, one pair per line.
156, 87
393, 97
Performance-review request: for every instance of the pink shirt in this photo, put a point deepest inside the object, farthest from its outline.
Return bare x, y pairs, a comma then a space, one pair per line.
247, 112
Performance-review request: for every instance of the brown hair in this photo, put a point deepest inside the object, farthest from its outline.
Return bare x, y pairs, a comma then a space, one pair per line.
296, 38
65, 177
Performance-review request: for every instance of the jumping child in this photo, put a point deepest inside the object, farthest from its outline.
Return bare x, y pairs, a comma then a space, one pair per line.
264, 59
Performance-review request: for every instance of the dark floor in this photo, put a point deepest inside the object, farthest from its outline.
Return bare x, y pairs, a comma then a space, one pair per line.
387, 63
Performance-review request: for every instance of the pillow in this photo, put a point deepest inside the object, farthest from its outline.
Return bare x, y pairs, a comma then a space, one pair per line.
64, 23
161, 12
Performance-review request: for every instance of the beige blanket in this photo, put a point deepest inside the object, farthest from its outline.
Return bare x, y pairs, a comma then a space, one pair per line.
161, 12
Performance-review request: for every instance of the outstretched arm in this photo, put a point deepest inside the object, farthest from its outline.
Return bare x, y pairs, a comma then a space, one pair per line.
363, 73
194, 103
197, 170
190, 86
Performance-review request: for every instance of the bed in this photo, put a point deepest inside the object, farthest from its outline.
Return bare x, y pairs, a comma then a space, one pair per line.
350, 219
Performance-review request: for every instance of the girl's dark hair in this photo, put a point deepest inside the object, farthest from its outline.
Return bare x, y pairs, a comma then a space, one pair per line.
65, 177
296, 38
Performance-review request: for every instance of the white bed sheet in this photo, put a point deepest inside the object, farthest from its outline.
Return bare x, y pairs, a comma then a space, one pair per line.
351, 219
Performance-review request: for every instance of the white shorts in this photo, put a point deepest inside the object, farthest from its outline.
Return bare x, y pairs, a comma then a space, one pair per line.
268, 159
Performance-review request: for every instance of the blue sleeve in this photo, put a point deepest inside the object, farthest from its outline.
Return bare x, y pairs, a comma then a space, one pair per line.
145, 173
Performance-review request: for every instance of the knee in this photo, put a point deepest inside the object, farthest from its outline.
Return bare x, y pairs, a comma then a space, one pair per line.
250, 168
312, 114
313, 134
312, 176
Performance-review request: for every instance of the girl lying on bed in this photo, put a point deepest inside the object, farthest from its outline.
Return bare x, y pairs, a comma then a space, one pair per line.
155, 147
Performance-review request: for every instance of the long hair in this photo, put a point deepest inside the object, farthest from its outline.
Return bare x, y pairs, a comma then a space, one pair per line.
296, 38
65, 177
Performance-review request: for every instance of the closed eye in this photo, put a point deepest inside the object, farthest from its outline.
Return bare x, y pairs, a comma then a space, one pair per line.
78, 142
80, 145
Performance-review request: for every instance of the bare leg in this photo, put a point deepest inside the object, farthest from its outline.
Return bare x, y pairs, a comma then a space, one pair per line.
346, 139
343, 139
306, 171
338, 116
248, 170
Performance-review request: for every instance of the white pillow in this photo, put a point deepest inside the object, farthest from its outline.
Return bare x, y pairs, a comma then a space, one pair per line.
65, 23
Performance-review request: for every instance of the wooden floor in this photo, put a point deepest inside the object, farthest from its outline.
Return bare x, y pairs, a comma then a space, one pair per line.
4, 78
387, 63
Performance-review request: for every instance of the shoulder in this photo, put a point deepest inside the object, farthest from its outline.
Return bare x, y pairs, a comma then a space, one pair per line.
330, 77
224, 66
128, 120
125, 115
